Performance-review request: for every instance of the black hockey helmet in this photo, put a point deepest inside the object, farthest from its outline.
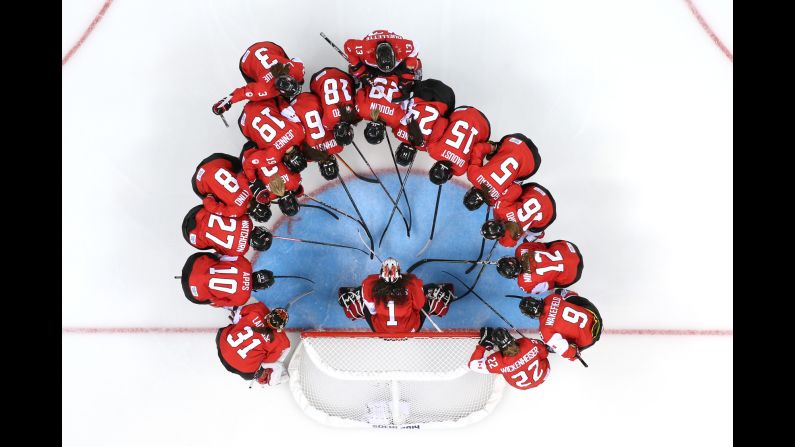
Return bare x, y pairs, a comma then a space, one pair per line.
262, 279
261, 212
277, 318
440, 172
288, 204
493, 229
385, 57
374, 132
502, 338
509, 267
343, 133
261, 239
474, 199
405, 154
329, 169
288, 86
531, 307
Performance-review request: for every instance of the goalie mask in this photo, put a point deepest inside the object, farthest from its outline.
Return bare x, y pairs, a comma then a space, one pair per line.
531, 307
385, 57
390, 270
277, 319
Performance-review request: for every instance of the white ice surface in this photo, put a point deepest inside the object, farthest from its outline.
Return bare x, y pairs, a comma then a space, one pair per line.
630, 104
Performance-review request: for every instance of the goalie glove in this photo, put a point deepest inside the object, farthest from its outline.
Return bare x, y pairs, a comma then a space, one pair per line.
350, 299
223, 105
271, 374
439, 297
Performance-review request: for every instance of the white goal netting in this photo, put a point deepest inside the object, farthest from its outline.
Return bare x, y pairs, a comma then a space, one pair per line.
418, 380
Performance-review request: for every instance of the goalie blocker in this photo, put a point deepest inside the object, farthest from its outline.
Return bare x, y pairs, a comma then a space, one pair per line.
437, 302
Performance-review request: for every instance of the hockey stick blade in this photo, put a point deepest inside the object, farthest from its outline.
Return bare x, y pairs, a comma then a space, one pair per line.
330, 213
452, 261
328, 244
356, 174
290, 303
433, 226
294, 277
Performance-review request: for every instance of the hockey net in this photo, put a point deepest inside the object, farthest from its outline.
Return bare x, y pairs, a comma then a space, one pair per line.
416, 380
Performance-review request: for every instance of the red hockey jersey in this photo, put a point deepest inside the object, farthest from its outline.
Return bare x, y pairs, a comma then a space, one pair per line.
516, 159
226, 235
570, 320
266, 165
334, 89
534, 211
241, 350
464, 139
361, 52
220, 181
556, 264
208, 278
263, 123
378, 97
527, 369
398, 314
255, 66
306, 110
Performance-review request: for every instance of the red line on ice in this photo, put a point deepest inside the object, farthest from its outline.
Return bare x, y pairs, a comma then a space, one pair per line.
709, 31
201, 330
88, 31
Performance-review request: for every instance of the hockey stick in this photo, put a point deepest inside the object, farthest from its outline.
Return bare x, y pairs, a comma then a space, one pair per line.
224, 120
397, 172
482, 243
322, 209
360, 222
402, 188
292, 301
296, 277
453, 261
329, 244
472, 290
358, 213
323, 35
428, 317
408, 227
359, 176
372, 253
433, 227
477, 278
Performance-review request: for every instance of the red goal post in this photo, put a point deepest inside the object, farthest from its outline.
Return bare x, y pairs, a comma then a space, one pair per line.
401, 381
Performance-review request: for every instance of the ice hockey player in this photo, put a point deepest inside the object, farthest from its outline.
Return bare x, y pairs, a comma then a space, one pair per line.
426, 118
540, 267
224, 189
381, 53
523, 363
222, 281
255, 346
516, 160
334, 88
263, 124
271, 180
229, 236
382, 105
568, 322
268, 72
465, 138
319, 144
528, 215
394, 302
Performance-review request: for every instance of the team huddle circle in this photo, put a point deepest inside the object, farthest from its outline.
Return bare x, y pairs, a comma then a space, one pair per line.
292, 122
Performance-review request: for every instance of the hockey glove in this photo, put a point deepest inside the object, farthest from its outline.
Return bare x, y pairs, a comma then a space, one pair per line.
350, 300
223, 105
439, 298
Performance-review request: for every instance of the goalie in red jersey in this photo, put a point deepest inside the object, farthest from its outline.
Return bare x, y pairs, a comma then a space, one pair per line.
393, 302
255, 346
268, 72
465, 138
569, 323
334, 88
523, 363
229, 236
426, 118
222, 281
540, 267
384, 52
515, 160
529, 215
